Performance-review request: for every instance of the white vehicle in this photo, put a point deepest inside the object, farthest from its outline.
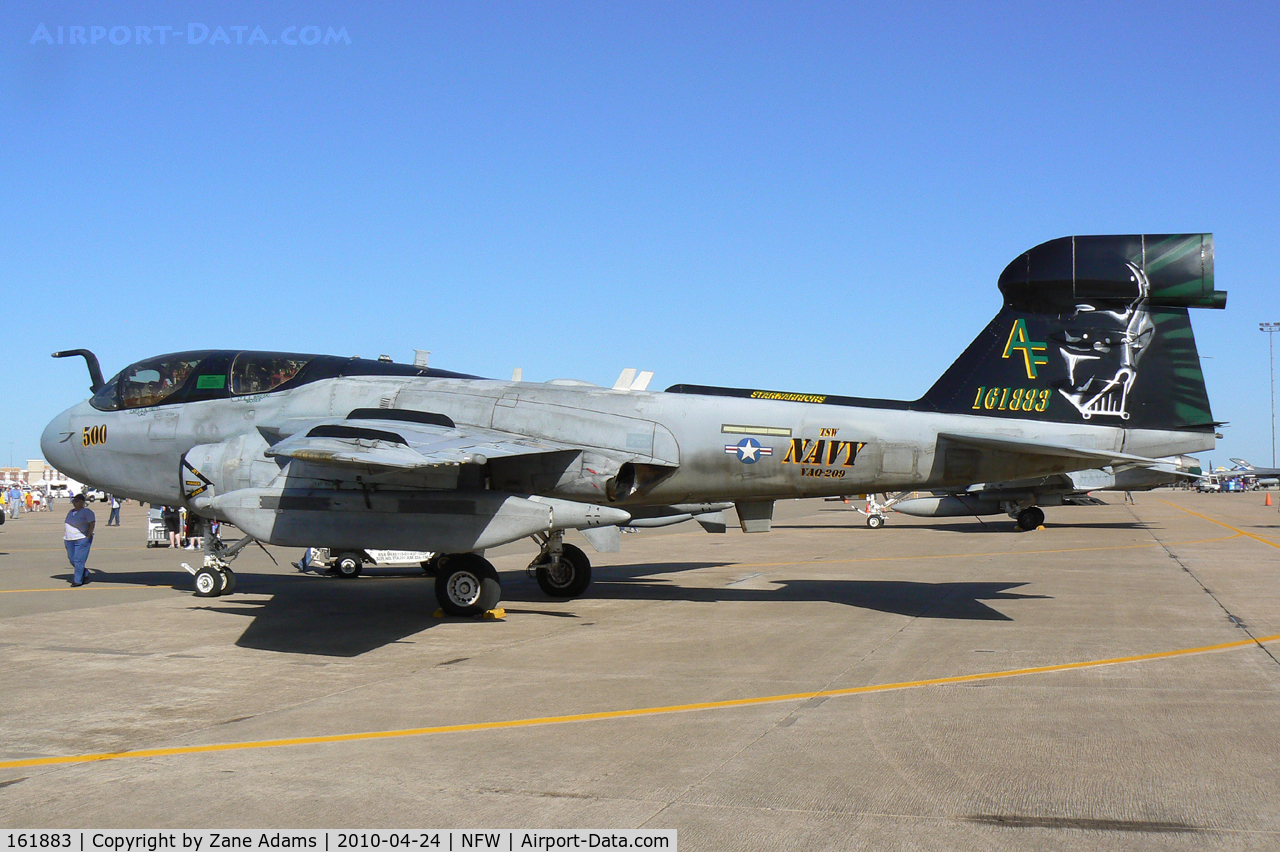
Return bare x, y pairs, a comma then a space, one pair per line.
349, 563
63, 489
1209, 483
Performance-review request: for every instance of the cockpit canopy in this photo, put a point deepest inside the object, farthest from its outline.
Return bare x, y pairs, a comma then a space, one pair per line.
260, 372
217, 374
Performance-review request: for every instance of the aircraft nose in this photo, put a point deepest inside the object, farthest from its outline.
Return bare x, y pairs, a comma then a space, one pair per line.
56, 444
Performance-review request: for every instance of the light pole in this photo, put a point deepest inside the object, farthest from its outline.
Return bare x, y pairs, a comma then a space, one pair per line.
1271, 328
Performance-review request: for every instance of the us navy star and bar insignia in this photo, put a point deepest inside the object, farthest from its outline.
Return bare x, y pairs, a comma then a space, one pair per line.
748, 450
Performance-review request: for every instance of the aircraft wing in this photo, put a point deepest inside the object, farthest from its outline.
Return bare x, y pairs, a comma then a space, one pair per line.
1027, 447
403, 445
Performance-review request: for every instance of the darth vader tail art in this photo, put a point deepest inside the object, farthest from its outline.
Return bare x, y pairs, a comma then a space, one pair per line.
1093, 329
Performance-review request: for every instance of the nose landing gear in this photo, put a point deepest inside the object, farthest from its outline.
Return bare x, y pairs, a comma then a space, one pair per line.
215, 576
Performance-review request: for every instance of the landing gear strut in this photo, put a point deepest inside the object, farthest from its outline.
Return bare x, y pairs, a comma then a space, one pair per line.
877, 512
562, 570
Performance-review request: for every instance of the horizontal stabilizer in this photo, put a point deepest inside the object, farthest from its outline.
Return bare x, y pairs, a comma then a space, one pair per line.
1026, 447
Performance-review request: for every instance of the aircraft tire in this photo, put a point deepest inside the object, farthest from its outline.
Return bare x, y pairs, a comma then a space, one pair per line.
1029, 519
571, 579
875, 522
348, 565
208, 583
467, 585
228, 581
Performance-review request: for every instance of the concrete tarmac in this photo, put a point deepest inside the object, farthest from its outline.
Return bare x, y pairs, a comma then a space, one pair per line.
1108, 682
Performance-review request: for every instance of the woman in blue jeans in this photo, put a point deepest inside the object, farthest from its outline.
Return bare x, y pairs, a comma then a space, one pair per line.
79, 538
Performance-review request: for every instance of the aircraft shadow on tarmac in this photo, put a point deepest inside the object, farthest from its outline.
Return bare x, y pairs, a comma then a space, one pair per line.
961, 601
346, 618
179, 580
330, 617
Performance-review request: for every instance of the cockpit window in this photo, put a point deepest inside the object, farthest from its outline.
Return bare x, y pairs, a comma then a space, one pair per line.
150, 382
108, 396
259, 372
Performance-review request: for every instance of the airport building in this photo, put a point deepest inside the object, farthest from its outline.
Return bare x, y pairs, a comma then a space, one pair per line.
37, 473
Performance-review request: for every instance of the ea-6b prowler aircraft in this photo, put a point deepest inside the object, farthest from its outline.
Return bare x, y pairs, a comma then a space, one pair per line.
1090, 363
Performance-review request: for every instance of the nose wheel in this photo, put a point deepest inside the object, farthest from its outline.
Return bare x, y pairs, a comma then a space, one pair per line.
211, 582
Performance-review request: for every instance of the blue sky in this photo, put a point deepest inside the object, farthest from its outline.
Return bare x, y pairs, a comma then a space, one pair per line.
808, 197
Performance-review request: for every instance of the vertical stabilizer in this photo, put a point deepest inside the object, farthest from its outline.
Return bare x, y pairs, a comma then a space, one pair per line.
1093, 330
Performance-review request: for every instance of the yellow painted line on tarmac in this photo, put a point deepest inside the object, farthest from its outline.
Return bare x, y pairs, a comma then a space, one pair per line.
64, 550
95, 586
1237, 530
625, 714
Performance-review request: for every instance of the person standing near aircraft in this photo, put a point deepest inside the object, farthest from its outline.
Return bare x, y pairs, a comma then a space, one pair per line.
195, 531
114, 520
78, 538
172, 523
15, 501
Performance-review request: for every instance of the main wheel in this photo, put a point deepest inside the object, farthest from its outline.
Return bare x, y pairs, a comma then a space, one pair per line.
348, 565
467, 585
228, 581
569, 579
875, 521
1029, 519
208, 583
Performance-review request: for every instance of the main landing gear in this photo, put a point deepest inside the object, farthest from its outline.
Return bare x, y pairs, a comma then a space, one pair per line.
562, 570
1029, 518
466, 584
